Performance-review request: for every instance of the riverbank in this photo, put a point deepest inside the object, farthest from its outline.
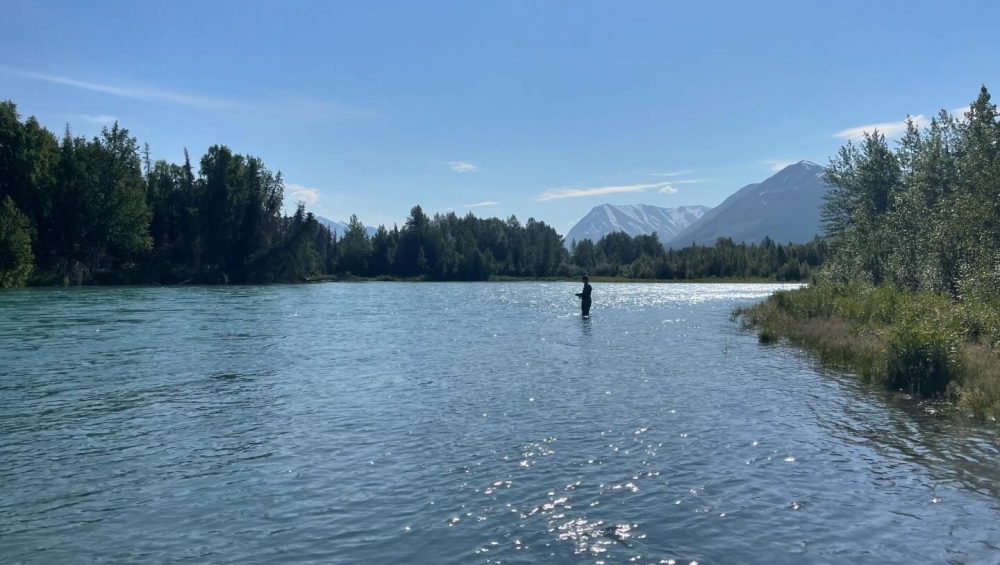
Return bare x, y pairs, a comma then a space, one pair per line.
601, 279
50, 279
593, 279
920, 343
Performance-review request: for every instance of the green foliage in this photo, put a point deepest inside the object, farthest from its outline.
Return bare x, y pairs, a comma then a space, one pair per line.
113, 204
16, 258
925, 216
920, 358
919, 342
104, 211
644, 257
355, 248
922, 224
767, 335
29, 156
448, 247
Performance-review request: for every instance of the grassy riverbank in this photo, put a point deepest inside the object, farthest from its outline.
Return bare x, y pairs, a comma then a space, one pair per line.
922, 343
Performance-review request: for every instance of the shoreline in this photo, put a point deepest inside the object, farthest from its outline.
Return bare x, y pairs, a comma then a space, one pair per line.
387, 278
593, 279
920, 344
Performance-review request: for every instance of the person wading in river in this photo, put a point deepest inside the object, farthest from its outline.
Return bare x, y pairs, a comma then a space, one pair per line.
585, 296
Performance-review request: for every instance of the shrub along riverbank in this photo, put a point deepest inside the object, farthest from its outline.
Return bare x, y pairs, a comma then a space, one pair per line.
917, 342
910, 296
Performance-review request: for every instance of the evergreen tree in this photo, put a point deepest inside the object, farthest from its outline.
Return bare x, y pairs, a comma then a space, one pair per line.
383, 251
926, 217
113, 201
355, 248
16, 258
102, 210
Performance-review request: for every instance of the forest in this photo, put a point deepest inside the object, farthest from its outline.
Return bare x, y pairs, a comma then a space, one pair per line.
924, 216
910, 295
102, 211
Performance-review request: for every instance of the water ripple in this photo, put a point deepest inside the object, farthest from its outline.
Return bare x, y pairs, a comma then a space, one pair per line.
457, 423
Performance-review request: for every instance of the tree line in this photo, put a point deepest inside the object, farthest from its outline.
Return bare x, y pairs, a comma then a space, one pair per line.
78, 211
910, 296
644, 257
450, 247
924, 215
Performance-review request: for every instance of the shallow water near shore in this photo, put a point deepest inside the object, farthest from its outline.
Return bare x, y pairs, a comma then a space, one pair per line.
461, 423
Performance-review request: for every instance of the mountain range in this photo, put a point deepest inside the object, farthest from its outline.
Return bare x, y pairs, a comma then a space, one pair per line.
634, 219
784, 207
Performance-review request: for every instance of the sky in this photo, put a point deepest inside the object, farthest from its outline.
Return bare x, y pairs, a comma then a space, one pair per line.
536, 109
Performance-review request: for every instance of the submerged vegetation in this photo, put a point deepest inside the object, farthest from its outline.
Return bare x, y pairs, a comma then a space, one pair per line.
911, 294
78, 211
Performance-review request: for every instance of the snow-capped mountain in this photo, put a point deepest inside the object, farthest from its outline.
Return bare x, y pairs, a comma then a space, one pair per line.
785, 207
634, 219
340, 228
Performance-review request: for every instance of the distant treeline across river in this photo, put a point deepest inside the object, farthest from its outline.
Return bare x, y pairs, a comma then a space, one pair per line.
79, 211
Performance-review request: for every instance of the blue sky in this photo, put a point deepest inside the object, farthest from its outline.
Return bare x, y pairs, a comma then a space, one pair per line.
539, 109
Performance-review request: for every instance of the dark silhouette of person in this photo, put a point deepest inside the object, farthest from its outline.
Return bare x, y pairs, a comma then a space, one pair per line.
585, 295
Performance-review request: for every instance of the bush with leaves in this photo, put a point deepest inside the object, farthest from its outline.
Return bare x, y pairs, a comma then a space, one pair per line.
16, 258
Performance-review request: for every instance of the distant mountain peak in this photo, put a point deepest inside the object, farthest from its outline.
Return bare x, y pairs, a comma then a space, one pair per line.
633, 219
784, 207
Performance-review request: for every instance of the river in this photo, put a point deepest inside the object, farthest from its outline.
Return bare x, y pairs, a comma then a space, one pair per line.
461, 423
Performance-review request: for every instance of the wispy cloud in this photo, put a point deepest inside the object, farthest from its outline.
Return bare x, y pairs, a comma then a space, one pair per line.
560, 193
888, 129
484, 204
96, 119
894, 129
462, 166
139, 93
299, 106
776, 165
299, 193
669, 188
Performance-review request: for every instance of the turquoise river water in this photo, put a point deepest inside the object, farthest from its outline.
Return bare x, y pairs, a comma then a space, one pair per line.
461, 423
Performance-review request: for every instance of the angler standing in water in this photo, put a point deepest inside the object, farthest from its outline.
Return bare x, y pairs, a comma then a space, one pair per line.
585, 295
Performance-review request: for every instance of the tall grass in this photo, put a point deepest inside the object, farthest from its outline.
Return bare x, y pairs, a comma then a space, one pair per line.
921, 343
